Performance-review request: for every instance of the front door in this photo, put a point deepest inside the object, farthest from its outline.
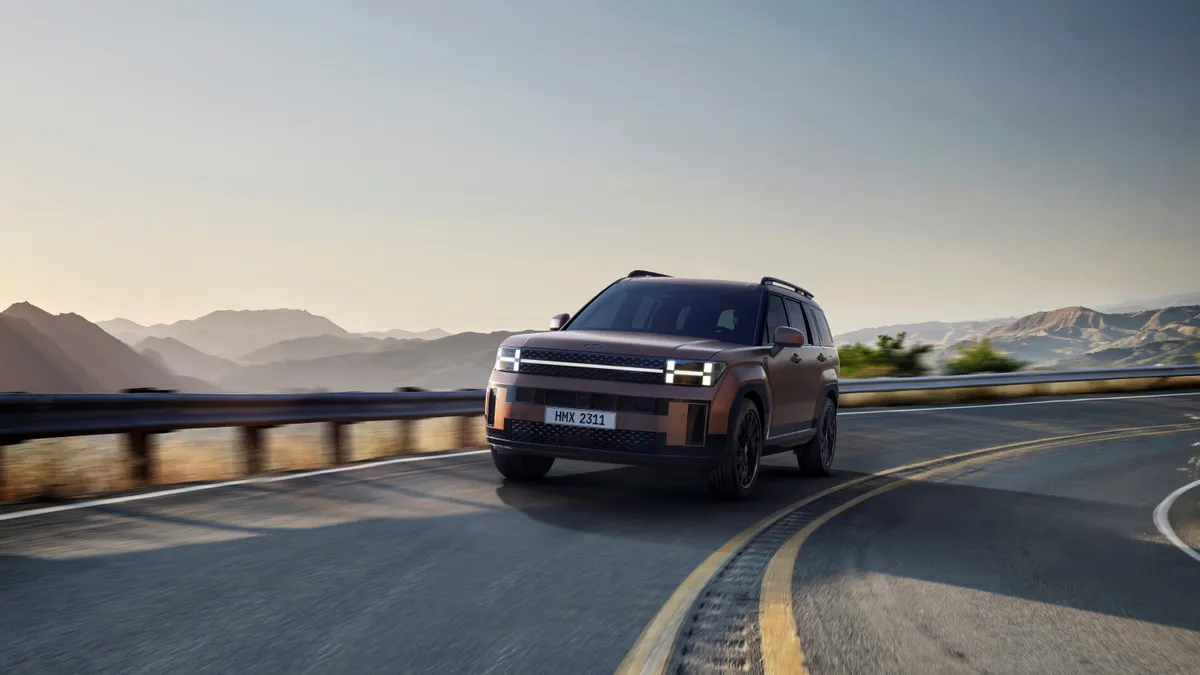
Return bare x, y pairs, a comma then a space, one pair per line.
785, 376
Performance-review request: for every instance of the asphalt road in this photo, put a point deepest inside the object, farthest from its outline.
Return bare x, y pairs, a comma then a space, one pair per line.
1042, 561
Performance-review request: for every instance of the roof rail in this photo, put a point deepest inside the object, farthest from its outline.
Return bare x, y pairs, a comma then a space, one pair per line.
786, 284
644, 273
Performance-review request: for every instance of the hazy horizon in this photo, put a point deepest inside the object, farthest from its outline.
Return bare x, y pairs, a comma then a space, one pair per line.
483, 166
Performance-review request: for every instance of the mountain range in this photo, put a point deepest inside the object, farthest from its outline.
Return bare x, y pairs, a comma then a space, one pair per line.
294, 350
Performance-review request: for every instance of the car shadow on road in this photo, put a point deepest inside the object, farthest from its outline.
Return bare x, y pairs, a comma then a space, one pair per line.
653, 503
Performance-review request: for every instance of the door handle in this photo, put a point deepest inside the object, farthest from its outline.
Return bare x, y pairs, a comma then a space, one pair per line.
821, 358
796, 358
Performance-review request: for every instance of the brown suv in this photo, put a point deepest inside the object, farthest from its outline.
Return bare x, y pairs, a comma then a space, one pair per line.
659, 370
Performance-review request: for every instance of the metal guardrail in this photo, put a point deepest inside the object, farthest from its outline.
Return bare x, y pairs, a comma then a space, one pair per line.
889, 384
140, 415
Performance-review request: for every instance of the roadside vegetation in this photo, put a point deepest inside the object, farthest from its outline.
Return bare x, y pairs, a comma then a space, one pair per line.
979, 356
889, 357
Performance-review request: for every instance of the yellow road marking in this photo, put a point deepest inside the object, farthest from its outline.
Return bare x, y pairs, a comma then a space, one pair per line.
652, 650
782, 653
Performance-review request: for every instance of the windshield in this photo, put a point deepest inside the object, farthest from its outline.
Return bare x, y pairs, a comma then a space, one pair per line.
705, 312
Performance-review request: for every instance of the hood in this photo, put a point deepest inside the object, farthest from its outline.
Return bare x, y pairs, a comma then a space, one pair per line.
633, 344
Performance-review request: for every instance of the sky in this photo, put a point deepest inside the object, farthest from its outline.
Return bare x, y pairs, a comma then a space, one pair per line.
483, 165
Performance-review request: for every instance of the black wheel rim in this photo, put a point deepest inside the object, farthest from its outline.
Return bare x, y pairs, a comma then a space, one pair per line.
828, 437
749, 448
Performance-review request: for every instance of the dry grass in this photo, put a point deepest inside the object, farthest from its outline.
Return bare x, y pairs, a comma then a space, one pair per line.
74, 467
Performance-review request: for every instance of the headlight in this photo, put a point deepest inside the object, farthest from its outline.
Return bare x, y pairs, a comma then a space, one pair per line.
508, 359
697, 373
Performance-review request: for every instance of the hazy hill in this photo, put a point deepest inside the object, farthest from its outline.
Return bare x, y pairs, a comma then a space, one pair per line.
65, 353
261, 335
398, 334
458, 361
321, 346
1179, 300
231, 333
184, 359
937, 333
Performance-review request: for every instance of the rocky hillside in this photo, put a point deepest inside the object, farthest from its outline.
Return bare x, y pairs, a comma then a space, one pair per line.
65, 353
1168, 353
1049, 337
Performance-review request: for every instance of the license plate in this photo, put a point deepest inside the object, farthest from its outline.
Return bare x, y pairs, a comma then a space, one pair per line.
581, 418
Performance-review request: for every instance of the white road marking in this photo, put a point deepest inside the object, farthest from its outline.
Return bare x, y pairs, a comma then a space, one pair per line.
884, 411
1162, 520
16, 515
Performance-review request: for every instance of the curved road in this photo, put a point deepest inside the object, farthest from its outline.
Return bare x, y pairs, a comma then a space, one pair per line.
1037, 557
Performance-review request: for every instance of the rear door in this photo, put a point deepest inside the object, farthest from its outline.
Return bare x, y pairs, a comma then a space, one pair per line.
783, 376
809, 367
830, 352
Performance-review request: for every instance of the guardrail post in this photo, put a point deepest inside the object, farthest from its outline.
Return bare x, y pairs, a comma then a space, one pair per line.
406, 438
252, 446
336, 435
465, 439
140, 450
406, 430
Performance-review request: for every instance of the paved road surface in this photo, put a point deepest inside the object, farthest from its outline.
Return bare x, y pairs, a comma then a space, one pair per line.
1041, 561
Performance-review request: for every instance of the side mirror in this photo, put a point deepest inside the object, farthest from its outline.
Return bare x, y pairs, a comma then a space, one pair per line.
558, 321
786, 335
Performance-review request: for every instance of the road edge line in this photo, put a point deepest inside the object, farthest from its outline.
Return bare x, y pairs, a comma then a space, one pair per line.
171, 492
1162, 520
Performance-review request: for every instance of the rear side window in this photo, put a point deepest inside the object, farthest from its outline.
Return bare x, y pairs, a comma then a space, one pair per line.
776, 317
796, 319
826, 335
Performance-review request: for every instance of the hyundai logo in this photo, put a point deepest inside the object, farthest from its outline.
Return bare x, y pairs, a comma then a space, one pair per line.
594, 346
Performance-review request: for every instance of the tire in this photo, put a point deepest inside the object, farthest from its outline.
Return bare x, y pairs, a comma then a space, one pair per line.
522, 468
738, 473
816, 456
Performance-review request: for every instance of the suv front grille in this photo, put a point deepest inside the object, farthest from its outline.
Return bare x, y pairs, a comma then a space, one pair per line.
613, 367
524, 431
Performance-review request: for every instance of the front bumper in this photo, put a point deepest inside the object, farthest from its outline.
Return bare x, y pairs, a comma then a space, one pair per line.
656, 424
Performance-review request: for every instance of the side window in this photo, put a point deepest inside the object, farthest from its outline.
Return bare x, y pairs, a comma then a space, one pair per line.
818, 336
776, 317
826, 335
796, 319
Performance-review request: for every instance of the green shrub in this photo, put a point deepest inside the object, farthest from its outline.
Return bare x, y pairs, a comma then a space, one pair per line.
979, 356
888, 358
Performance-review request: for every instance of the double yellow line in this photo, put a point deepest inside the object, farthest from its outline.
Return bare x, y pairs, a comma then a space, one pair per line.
782, 653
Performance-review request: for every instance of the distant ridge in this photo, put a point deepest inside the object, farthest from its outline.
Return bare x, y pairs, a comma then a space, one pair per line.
230, 333
237, 334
